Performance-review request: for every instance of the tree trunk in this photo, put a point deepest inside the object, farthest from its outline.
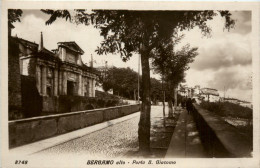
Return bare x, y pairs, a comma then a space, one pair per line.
163, 103
170, 112
145, 123
170, 109
175, 99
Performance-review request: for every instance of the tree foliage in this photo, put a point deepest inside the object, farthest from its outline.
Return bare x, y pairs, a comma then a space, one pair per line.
56, 14
171, 64
124, 83
14, 16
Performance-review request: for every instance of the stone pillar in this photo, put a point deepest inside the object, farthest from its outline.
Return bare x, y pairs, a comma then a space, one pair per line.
64, 83
93, 87
80, 85
89, 87
60, 82
38, 78
63, 54
55, 82
83, 86
44, 80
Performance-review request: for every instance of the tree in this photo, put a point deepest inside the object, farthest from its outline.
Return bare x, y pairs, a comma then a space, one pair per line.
129, 32
123, 81
172, 66
13, 16
161, 57
156, 90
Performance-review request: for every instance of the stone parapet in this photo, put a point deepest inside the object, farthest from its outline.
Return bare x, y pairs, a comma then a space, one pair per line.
219, 138
29, 130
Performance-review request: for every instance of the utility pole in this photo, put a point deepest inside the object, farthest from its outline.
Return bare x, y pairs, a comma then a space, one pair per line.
138, 80
163, 97
134, 95
224, 93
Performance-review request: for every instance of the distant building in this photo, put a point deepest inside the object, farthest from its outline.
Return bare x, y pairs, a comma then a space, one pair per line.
182, 91
245, 104
197, 90
186, 91
209, 94
231, 100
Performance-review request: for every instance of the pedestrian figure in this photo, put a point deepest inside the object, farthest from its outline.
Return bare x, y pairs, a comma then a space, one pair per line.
183, 103
189, 105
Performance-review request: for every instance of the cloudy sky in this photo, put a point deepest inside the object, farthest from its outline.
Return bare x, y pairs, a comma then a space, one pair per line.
224, 59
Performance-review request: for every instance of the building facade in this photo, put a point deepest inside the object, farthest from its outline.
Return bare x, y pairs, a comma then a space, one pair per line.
209, 94
57, 72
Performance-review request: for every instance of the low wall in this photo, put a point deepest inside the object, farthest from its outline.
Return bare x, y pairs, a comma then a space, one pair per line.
219, 138
25, 131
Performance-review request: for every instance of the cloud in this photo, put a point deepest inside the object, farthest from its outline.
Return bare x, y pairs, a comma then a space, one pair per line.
243, 22
233, 77
225, 52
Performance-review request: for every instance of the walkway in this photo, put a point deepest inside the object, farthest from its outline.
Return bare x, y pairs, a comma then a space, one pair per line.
185, 142
119, 138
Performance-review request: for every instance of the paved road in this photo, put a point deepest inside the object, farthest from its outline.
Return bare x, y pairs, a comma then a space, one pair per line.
113, 141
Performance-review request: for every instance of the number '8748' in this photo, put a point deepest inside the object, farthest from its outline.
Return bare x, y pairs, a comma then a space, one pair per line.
21, 161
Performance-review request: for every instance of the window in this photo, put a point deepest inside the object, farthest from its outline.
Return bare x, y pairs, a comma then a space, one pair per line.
70, 88
49, 92
86, 90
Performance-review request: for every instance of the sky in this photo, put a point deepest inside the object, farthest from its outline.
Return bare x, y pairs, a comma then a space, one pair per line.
224, 61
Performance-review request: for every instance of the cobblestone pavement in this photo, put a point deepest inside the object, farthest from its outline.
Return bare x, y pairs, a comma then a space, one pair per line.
113, 141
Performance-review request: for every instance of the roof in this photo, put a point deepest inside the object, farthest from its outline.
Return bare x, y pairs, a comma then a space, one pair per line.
43, 53
46, 55
209, 91
182, 90
72, 45
28, 44
230, 99
46, 51
49, 55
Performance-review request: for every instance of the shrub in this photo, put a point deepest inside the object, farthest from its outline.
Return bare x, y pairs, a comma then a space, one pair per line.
227, 109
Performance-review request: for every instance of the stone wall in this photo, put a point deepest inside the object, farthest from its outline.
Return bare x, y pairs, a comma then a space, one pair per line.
14, 80
220, 139
64, 103
31, 99
29, 130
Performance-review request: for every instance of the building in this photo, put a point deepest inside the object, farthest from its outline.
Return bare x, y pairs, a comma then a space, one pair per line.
51, 81
14, 81
57, 72
197, 90
209, 94
186, 91
245, 104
